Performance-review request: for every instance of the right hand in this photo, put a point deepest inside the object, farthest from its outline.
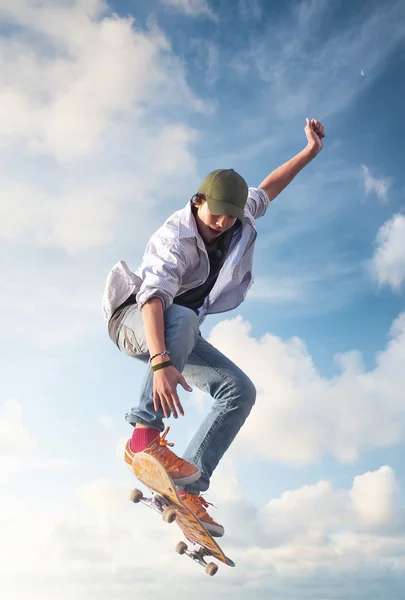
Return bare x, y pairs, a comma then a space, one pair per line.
165, 382
315, 132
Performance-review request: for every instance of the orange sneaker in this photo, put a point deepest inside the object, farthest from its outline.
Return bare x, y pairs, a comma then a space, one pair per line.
198, 505
181, 471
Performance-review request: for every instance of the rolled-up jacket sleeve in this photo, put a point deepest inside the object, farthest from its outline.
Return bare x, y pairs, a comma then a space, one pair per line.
257, 202
161, 271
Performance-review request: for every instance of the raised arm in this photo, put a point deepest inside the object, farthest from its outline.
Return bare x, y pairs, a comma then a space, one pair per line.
283, 175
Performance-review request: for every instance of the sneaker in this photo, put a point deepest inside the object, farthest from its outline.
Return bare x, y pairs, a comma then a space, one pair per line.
198, 505
181, 471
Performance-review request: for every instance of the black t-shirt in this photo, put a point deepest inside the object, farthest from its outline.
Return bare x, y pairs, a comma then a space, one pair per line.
217, 253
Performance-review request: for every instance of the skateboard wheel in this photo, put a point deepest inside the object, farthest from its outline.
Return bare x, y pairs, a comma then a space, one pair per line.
169, 515
211, 569
136, 496
181, 547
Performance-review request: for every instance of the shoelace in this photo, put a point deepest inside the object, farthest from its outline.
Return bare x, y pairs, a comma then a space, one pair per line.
200, 503
205, 503
171, 460
163, 441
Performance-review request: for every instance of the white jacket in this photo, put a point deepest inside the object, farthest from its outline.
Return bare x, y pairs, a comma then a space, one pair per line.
175, 260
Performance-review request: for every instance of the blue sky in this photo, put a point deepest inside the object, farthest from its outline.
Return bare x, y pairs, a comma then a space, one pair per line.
110, 115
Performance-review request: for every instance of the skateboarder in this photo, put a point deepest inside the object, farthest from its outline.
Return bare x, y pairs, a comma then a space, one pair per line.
198, 262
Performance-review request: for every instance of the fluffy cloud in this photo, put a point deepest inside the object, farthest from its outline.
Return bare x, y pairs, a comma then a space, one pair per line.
79, 82
367, 506
79, 210
75, 220
305, 415
97, 543
93, 541
74, 70
372, 497
379, 187
316, 529
388, 263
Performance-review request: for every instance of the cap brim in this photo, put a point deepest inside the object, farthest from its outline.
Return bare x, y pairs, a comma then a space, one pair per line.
218, 207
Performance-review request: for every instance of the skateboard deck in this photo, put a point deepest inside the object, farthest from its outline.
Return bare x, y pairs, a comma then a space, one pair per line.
166, 501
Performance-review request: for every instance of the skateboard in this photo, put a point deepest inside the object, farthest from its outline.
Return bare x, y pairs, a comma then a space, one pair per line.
167, 502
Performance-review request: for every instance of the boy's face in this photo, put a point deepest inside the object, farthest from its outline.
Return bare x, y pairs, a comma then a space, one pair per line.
211, 226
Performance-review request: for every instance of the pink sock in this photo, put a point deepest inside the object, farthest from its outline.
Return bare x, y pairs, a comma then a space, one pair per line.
141, 438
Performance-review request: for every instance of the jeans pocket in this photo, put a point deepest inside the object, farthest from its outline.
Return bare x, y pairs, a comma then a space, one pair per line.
127, 342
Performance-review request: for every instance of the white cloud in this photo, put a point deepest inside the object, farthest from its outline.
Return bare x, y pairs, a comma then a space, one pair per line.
18, 449
97, 543
316, 526
93, 541
373, 495
98, 534
78, 209
307, 415
368, 505
380, 187
73, 71
80, 83
388, 263
193, 8
77, 221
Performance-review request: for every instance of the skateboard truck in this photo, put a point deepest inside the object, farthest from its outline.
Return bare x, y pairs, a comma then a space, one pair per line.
198, 556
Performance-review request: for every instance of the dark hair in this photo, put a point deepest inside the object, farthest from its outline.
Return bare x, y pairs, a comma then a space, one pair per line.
198, 199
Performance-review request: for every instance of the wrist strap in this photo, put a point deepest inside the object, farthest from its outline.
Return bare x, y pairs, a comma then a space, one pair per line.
163, 365
159, 354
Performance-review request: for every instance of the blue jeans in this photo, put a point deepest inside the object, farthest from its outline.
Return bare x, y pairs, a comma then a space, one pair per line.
202, 366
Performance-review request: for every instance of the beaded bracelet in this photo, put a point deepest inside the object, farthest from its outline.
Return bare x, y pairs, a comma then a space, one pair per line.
159, 354
168, 363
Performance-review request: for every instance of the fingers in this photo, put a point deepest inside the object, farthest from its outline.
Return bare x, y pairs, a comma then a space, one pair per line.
156, 401
176, 406
169, 407
317, 127
165, 395
170, 404
185, 385
160, 401
179, 405
164, 403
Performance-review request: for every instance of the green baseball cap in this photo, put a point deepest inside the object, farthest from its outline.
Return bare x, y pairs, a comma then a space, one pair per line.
226, 193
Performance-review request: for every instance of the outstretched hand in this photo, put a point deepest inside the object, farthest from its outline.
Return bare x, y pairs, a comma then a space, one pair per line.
315, 132
165, 394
